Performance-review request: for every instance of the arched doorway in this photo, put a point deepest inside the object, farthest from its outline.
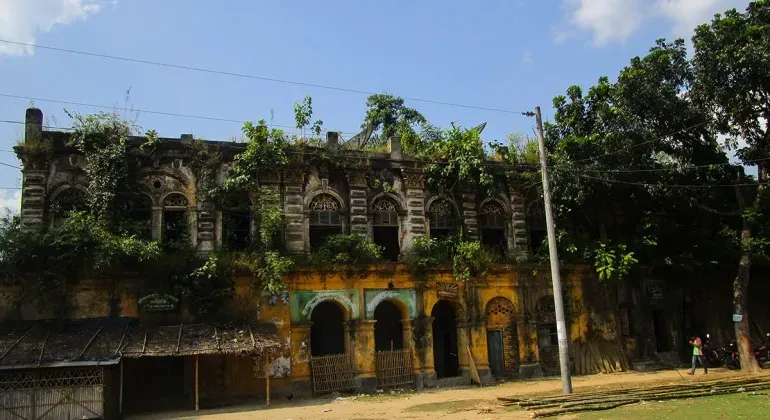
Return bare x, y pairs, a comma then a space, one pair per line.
445, 340
502, 338
393, 360
330, 364
388, 331
327, 334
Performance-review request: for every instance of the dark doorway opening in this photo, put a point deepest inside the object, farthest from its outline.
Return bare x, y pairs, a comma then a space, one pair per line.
327, 335
445, 340
156, 384
495, 350
661, 331
388, 331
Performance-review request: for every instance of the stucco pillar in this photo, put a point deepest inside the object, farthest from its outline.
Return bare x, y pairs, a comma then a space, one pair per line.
469, 214
362, 349
206, 226
157, 223
411, 345
300, 359
293, 211
359, 223
518, 236
479, 349
423, 350
529, 352
463, 342
34, 173
415, 207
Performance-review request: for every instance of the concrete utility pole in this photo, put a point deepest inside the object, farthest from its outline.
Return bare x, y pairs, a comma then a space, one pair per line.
561, 325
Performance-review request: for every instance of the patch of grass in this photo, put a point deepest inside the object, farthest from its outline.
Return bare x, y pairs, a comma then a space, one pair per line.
448, 406
747, 405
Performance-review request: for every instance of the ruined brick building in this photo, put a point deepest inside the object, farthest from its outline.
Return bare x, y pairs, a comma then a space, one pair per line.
330, 330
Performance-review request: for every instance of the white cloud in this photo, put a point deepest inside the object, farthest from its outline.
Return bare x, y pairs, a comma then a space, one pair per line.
607, 20
10, 200
685, 15
611, 21
24, 20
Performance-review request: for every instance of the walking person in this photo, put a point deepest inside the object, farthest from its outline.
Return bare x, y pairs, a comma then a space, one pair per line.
697, 355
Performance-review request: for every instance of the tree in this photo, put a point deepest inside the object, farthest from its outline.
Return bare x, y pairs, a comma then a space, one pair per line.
386, 116
732, 78
303, 114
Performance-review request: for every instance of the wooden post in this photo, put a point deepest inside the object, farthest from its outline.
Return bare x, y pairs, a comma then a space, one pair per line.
267, 379
197, 406
120, 398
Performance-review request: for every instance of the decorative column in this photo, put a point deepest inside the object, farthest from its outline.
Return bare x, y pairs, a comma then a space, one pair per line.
529, 351
423, 339
157, 223
206, 226
463, 342
300, 360
479, 349
519, 237
34, 173
363, 352
414, 181
469, 214
293, 212
357, 184
410, 343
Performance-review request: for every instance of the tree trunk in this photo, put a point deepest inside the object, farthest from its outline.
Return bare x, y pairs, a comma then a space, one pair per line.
741, 286
740, 291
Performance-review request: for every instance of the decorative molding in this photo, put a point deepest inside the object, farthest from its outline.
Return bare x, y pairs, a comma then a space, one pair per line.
447, 290
324, 202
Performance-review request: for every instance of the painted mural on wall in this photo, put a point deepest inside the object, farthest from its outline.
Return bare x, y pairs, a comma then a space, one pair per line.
374, 297
304, 301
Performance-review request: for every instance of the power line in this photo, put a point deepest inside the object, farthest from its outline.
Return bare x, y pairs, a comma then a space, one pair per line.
711, 165
22, 122
254, 77
146, 111
10, 166
643, 184
642, 143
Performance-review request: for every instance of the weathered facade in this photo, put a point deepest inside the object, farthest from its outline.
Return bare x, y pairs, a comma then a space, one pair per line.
338, 329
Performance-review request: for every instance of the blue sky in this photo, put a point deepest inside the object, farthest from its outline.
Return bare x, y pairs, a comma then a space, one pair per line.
505, 54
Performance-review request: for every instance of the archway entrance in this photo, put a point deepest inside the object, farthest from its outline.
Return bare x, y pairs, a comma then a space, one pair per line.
327, 335
330, 365
393, 355
388, 331
502, 338
445, 340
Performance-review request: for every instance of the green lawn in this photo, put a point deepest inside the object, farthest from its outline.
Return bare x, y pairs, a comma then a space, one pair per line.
736, 406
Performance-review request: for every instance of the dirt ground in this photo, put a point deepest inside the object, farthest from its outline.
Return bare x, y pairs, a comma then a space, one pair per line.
454, 403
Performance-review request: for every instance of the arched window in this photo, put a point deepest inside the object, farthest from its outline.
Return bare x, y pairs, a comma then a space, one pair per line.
325, 219
65, 203
385, 227
538, 233
176, 229
493, 223
236, 222
443, 219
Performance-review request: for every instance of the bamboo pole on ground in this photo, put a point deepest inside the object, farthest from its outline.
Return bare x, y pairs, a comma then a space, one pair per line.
267, 379
197, 401
120, 397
